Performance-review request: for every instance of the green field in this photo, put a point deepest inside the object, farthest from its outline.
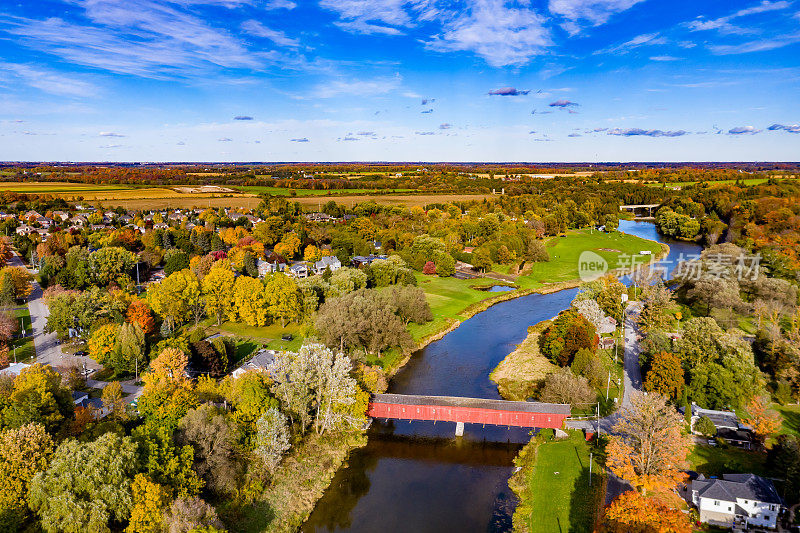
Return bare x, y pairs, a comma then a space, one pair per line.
42, 187
267, 336
555, 494
283, 191
565, 251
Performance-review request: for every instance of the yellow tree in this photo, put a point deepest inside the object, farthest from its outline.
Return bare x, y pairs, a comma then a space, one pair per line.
250, 301
176, 298
218, 291
149, 502
648, 445
289, 245
23, 452
114, 400
283, 298
38, 396
168, 367
765, 422
21, 279
102, 342
311, 253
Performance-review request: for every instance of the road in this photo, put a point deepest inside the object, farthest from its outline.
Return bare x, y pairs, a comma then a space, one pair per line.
632, 381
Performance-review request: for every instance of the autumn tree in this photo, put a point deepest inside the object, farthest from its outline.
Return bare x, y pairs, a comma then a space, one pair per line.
764, 421
87, 485
109, 263
218, 292
129, 348
23, 453
648, 446
563, 386
632, 512
250, 301
187, 515
38, 397
19, 278
214, 440
140, 313
102, 343
283, 298
114, 401
665, 375
150, 500
177, 298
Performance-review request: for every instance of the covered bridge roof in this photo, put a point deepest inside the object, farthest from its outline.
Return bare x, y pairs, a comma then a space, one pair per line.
476, 403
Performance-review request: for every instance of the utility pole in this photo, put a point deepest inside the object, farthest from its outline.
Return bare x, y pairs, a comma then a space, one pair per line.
608, 385
590, 469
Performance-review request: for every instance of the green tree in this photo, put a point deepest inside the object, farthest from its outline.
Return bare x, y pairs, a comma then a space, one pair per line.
705, 427
109, 263
129, 349
177, 298
38, 397
213, 439
218, 291
86, 486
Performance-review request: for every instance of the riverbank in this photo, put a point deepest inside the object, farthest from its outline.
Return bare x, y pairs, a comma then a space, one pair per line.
521, 373
557, 469
299, 482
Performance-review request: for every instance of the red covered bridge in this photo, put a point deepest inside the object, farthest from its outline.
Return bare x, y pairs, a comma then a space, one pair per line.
468, 411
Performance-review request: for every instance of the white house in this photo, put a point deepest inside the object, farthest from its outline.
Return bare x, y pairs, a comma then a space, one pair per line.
329, 261
298, 270
737, 499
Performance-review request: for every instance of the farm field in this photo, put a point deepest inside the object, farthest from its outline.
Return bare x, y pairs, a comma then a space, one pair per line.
746, 181
283, 191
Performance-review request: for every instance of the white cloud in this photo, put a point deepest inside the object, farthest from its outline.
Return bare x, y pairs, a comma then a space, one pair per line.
723, 24
664, 58
760, 45
254, 27
379, 16
49, 81
647, 39
595, 12
502, 36
375, 86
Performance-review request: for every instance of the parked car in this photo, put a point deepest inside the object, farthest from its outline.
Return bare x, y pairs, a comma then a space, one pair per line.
81, 353
712, 442
287, 337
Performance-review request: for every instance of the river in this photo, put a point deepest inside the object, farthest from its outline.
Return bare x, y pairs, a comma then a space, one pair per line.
414, 476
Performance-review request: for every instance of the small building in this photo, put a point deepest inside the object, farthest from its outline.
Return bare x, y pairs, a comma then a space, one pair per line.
260, 361
361, 260
14, 369
727, 424
607, 325
737, 500
328, 262
266, 267
79, 397
607, 343
298, 270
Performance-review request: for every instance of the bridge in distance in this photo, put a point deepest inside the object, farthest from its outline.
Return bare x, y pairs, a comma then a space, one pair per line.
468, 411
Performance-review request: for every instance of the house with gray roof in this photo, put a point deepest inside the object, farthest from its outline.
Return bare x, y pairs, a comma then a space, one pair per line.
260, 361
737, 500
329, 261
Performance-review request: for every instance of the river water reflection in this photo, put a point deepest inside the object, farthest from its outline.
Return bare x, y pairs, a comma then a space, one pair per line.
413, 476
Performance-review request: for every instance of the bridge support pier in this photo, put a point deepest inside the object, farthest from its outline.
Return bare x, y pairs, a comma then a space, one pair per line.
459, 429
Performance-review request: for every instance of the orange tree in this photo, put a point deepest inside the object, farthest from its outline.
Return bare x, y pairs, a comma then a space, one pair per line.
665, 375
648, 445
633, 513
764, 421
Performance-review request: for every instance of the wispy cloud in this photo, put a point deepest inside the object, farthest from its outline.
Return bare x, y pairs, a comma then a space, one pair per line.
723, 24
635, 132
743, 130
49, 81
664, 58
445, 126
508, 91
110, 134
257, 29
300, 140
424, 133
760, 45
792, 128
375, 86
647, 39
593, 12
427, 111
225, 139
242, 117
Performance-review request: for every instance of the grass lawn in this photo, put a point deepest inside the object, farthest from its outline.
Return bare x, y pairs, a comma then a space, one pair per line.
565, 251
716, 460
555, 493
270, 336
791, 418
25, 349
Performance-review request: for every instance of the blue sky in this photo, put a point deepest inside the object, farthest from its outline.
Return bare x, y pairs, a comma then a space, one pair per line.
343, 80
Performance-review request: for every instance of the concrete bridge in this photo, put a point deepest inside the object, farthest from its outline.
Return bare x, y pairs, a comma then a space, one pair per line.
468, 411
641, 207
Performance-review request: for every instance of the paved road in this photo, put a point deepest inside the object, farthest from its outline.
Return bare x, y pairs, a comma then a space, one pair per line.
46, 344
632, 380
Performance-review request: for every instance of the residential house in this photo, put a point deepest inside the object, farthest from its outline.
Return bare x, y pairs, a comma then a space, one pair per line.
298, 270
79, 220
45, 222
727, 424
737, 500
25, 229
360, 260
14, 368
63, 216
319, 217
266, 267
261, 361
30, 216
330, 262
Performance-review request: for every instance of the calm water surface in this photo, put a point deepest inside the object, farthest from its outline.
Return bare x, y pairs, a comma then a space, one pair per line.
414, 476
